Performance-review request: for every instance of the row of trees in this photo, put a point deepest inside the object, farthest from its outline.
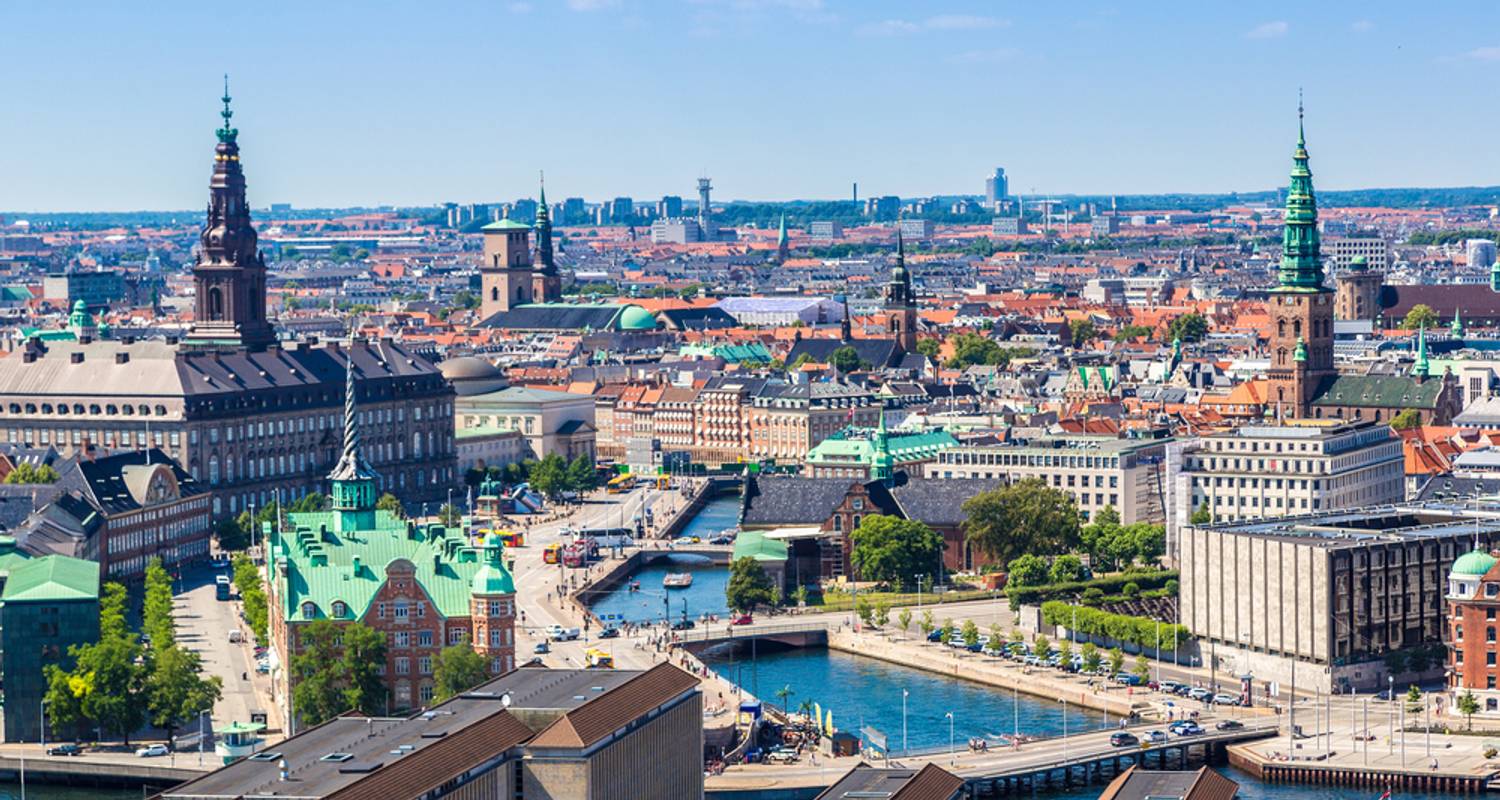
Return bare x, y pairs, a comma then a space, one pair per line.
1138, 631
1111, 545
551, 476
117, 683
256, 607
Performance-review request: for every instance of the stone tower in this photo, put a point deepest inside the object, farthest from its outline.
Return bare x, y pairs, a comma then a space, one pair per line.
546, 284
492, 609
1358, 291
505, 276
901, 302
1301, 307
229, 276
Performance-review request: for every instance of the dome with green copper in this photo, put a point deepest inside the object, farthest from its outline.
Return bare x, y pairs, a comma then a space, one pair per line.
635, 318
1475, 563
493, 577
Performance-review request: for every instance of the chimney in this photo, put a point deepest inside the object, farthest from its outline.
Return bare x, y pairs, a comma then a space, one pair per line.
356, 566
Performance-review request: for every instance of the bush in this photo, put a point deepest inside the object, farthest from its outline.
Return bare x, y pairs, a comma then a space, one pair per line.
1172, 586
1093, 596
1138, 631
1032, 595
1132, 590
1028, 570
1066, 569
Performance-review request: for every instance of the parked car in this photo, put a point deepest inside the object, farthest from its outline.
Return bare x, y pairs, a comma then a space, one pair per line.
1225, 699
1229, 725
608, 632
1199, 693
1156, 737
235, 636
65, 750
687, 540
1127, 679
1170, 687
721, 540
743, 619
1123, 739
152, 751
684, 625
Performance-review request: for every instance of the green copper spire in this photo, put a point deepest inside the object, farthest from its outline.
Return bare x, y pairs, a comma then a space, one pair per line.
226, 133
884, 466
353, 479
544, 231
1457, 328
1300, 354
781, 239
1301, 254
1423, 368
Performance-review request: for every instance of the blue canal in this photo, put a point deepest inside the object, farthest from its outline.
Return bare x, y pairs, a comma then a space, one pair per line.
705, 596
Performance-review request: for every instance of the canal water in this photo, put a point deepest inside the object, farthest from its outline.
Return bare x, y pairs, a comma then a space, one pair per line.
705, 596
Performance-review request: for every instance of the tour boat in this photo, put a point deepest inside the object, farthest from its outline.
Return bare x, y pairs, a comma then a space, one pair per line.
678, 580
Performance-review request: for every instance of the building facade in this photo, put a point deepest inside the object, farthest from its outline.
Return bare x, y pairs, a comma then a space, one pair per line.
1473, 604
47, 604
549, 422
1260, 471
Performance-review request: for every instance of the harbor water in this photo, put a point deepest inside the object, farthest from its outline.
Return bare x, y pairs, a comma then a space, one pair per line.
704, 596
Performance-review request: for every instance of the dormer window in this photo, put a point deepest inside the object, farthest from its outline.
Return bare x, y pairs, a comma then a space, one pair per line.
339, 609
309, 609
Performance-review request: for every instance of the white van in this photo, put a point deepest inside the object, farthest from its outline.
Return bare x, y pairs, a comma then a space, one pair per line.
235, 637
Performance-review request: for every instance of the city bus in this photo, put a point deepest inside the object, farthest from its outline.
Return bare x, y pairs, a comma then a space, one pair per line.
511, 538
221, 587
607, 537
552, 553
621, 483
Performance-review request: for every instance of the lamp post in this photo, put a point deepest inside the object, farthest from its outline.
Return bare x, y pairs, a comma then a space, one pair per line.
1367, 731
951, 759
1391, 713
1067, 773
1015, 714
43, 725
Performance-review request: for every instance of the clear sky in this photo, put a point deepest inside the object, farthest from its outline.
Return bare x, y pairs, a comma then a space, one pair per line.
108, 107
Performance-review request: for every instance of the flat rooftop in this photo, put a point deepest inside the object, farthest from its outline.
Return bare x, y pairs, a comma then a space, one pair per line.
1394, 523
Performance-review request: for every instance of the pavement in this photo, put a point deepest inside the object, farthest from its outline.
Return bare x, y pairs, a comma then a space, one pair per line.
203, 625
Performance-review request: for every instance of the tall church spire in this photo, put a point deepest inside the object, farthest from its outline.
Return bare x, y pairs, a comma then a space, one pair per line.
352, 479
544, 232
230, 273
783, 243
1301, 254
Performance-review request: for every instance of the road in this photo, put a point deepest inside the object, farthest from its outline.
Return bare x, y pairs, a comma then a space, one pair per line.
203, 625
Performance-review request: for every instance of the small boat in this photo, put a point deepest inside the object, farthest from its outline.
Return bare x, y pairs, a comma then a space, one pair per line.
678, 580
635, 586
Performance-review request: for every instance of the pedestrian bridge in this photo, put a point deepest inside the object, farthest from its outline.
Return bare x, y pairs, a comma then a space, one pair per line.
791, 634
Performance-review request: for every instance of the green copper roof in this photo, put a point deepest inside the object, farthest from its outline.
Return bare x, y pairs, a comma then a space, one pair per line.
858, 447
493, 577
1422, 368
320, 568
754, 352
1300, 354
1301, 254
1379, 391
48, 578
1475, 563
635, 318
754, 544
506, 224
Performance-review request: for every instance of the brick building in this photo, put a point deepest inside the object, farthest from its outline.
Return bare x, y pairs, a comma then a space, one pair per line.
1473, 607
423, 587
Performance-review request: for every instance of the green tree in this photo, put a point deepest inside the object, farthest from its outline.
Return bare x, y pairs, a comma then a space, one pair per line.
1130, 332
389, 502
903, 620
1091, 659
893, 550
107, 682
846, 359
882, 613
1097, 536
1421, 315
176, 689
64, 698
232, 534
1413, 699
971, 349
997, 636
1083, 331
1066, 568
1064, 654
1042, 645
929, 347
970, 633
749, 586
1406, 420
1468, 705
946, 633
450, 515
1116, 660
456, 669
318, 695
784, 694
582, 477
1028, 570
364, 653
1023, 517
1142, 668
865, 610
927, 624
550, 476
252, 596
156, 608
1202, 516
29, 473
1190, 327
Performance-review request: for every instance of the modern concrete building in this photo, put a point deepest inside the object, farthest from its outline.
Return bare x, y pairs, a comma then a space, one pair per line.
996, 188
96, 289
825, 230
1097, 471
1340, 252
918, 230
1008, 226
1328, 595
532, 732
1260, 471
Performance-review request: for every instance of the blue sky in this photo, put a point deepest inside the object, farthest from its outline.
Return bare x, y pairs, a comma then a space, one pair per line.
343, 103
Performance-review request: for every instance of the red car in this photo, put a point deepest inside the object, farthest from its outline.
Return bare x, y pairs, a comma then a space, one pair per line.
743, 619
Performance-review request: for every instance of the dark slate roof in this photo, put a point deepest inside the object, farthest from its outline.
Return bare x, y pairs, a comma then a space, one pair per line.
554, 317
938, 502
791, 500
108, 485
697, 319
879, 352
1379, 391
1454, 487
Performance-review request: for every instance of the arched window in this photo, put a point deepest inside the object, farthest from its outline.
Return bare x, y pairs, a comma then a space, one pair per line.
215, 303
213, 470
339, 609
309, 609
495, 293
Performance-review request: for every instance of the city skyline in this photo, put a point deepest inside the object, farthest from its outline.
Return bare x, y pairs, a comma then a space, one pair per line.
471, 101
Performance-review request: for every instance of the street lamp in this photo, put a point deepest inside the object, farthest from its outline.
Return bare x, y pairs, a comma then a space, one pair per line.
949, 715
905, 748
1391, 712
43, 727
1066, 772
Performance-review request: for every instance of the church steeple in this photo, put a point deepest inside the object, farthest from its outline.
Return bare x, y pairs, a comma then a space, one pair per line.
901, 301
352, 479
1423, 368
230, 273
544, 233
1301, 253
783, 244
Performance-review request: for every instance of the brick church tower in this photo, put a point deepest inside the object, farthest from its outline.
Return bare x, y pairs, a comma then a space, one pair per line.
1301, 307
900, 311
